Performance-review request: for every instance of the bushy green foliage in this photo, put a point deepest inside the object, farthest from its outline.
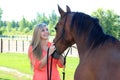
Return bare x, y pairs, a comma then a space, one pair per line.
109, 20
25, 27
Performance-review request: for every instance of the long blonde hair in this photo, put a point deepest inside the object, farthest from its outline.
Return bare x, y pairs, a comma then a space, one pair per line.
36, 42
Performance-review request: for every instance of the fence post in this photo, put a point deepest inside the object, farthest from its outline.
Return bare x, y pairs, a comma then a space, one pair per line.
23, 45
16, 46
1, 45
8, 44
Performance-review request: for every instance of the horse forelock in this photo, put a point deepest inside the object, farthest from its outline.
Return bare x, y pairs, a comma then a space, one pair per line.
87, 24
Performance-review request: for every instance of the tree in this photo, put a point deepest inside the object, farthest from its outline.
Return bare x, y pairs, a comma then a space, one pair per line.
109, 21
13, 23
53, 18
1, 23
23, 24
9, 26
4, 23
41, 18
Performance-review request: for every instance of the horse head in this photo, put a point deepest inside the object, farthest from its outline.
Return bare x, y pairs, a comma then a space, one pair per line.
63, 38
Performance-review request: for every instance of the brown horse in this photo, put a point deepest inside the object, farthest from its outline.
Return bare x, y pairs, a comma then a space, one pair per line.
99, 53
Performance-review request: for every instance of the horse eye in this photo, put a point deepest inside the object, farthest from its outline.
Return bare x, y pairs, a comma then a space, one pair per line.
55, 28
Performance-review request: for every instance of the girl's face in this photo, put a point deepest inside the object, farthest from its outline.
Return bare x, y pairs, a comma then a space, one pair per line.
44, 33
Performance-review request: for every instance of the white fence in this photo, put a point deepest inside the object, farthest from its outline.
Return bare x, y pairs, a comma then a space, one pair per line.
17, 44
9, 45
21, 44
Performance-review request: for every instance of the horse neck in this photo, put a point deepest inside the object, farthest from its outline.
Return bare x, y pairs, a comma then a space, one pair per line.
82, 48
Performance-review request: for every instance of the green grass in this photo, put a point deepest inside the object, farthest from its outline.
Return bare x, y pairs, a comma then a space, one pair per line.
16, 61
71, 64
21, 63
6, 76
11, 76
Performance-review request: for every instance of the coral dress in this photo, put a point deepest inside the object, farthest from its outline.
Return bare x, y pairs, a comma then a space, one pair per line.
41, 74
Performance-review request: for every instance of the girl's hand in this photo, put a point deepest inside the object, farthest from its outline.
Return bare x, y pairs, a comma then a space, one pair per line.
52, 49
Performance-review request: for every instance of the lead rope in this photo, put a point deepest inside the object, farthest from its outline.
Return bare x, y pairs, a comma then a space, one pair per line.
51, 67
47, 64
49, 77
65, 62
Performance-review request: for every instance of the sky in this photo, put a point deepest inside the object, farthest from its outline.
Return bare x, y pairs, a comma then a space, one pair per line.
16, 9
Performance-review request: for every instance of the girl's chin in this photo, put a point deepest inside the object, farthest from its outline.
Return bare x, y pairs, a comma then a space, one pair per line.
45, 38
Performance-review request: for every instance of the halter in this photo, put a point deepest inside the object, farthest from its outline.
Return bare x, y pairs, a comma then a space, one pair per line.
49, 75
63, 30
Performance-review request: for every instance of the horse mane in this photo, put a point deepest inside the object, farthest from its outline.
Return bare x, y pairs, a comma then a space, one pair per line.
87, 24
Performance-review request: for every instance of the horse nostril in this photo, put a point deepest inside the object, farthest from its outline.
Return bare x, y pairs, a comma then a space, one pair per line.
54, 41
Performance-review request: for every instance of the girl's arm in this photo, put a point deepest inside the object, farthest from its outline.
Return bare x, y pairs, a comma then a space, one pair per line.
44, 59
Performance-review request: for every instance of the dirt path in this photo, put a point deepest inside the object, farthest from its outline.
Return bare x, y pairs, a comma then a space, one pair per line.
15, 72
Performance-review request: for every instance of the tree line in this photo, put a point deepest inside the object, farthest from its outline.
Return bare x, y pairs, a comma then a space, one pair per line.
26, 27
108, 19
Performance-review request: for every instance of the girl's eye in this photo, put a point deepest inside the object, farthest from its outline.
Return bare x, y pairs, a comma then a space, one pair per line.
42, 30
47, 29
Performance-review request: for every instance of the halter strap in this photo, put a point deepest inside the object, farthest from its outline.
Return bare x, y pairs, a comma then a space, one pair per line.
65, 62
63, 30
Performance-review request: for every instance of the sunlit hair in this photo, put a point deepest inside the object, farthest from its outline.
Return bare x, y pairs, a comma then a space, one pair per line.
36, 42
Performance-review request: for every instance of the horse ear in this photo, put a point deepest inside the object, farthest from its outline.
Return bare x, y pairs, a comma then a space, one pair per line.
61, 11
68, 9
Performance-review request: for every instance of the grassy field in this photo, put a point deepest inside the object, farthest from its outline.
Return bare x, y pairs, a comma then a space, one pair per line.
11, 76
20, 62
